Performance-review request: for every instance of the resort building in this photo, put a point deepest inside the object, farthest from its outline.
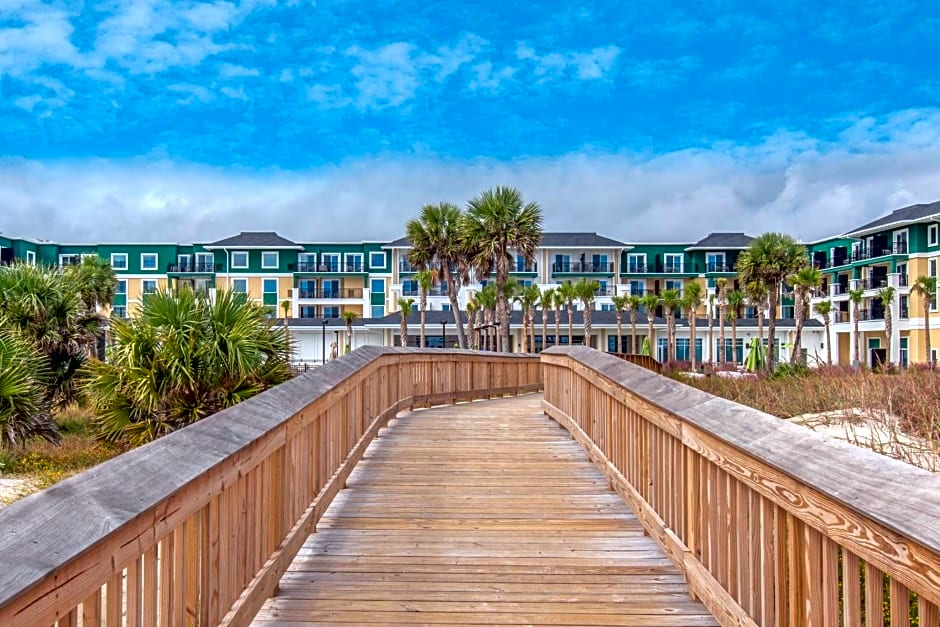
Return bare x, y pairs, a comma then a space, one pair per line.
310, 284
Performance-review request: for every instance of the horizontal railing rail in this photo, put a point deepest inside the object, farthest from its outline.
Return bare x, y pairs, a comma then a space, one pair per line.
771, 523
197, 527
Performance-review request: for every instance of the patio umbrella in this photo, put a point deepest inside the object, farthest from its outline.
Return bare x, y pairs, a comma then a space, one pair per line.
645, 349
755, 356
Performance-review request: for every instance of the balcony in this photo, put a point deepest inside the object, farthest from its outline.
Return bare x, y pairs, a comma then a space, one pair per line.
610, 290
407, 267
577, 267
636, 268
337, 294
903, 280
841, 316
715, 266
871, 314
327, 266
875, 283
525, 268
637, 291
414, 291
659, 268
839, 289
904, 312
194, 268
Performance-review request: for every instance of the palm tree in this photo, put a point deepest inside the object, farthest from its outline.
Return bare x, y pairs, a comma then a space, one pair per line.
824, 309
692, 301
96, 280
804, 285
756, 292
711, 327
722, 285
529, 297
546, 303
184, 357
44, 307
634, 302
511, 288
286, 307
886, 296
926, 288
404, 307
473, 310
855, 297
559, 302
569, 294
736, 300
424, 279
436, 245
620, 303
650, 303
24, 405
586, 291
496, 223
771, 258
349, 317
671, 300
487, 297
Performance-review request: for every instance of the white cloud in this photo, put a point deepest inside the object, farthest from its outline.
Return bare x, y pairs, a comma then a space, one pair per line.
235, 94
594, 64
190, 93
229, 70
790, 182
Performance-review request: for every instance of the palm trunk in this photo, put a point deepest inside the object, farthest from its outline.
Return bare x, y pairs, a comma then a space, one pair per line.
722, 353
588, 327
692, 320
711, 334
455, 307
348, 337
557, 325
927, 332
570, 323
734, 341
544, 328
633, 317
532, 329
888, 329
502, 307
424, 306
649, 332
619, 316
858, 362
797, 341
404, 328
772, 327
828, 341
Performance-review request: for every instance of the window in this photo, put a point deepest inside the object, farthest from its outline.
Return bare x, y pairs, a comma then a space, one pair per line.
331, 312
306, 262
148, 286
121, 287
354, 262
932, 239
607, 307
903, 357
119, 261
376, 259
329, 262
672, 284
445, 307
932, 271
269, 286
240, 286
119, 311
636, 262
673, 262
637, 288
377, 286
270, 259
30, 258
715, 262
562, 263
148, 261
900, 242
240, 259
414, 306
378, 311
904, 306
69, 260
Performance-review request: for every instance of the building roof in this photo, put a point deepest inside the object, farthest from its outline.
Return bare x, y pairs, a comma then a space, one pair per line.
898, 217
401, 242
254, 239
717, 241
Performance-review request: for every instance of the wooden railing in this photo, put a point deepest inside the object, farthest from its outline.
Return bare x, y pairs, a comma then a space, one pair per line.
771, 523
641, 360
198, 527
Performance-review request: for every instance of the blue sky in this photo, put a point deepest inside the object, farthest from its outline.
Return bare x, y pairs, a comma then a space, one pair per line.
177, 118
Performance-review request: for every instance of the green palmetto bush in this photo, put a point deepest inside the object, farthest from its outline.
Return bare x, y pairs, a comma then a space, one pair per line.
184, 357
24, 406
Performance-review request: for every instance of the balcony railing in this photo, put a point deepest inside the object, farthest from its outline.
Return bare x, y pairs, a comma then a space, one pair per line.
838, 289
340, 293
609, 290
714, 266
404, 266
194, 268
842, 316
636, 268
414, 291
587, 267
875, 283
637, 291
525, 267
902, 280
661, 268
328, 266
871, 314
904, 313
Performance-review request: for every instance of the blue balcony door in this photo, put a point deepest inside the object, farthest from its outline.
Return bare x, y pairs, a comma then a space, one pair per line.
599, 262
562, 263
330, 289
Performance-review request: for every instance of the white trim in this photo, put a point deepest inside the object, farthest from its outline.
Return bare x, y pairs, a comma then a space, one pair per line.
277, 285
238, 278
231, 260
384, 263
156, 286
156, 261
126, 260
934, 231
277, 260
31, 257
120, 281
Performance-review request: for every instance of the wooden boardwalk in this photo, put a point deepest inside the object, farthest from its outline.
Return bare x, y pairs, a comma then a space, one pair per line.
480, 513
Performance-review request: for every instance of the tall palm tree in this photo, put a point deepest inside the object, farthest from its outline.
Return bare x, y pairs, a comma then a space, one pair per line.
824, 309
722, 298
349, 317
735, 300
771, 258
620, 303
96, 280
635, 303
559, 302
511, 289
692, 300
650, 303
531, 296
436, 245
497, 223
586, 291
926, 288
711, 327
569, 294
756, 292
805, 282
473, 310
487, 297
546, 303
886, 296
286, 307
855, 297
184, 357
424, 279
672, 301
24, 405
404, 307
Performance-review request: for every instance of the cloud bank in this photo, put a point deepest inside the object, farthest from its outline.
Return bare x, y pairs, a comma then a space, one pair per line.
788, 182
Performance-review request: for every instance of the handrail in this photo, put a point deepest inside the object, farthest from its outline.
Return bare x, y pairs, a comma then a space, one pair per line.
198, 526
771, 523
